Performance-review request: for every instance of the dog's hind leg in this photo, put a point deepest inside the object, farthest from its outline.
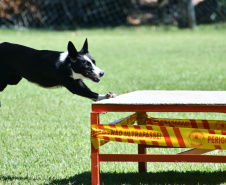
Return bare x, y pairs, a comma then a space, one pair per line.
2, 86
3, 81
13, 79
3, 76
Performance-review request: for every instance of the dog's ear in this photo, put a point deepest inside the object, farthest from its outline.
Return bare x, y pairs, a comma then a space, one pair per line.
85, 47
72, 50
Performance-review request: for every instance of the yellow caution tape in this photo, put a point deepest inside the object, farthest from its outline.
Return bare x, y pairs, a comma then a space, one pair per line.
185, 136
124, 121
187, 123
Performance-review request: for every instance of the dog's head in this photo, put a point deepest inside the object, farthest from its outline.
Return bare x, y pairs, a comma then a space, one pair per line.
83, 66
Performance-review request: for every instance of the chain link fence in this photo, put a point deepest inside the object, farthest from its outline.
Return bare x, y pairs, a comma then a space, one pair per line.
75, 14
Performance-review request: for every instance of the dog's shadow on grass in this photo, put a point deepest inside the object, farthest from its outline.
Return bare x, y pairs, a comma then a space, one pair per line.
169, 177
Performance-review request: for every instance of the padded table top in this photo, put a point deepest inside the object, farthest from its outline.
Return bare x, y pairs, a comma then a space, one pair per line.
169, 97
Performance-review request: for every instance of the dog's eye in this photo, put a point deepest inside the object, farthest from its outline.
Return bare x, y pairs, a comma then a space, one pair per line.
88, 64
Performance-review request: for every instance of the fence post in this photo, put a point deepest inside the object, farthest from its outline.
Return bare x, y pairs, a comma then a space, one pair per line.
186, 18
191, 15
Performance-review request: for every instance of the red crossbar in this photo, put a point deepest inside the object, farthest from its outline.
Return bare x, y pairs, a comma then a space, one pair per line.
162, 158
159, 108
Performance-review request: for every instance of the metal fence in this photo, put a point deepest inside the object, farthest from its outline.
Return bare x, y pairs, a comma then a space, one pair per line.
74, 14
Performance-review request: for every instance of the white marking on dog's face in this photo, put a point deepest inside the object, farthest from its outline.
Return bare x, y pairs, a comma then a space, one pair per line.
87, 58
97, 71
63, 56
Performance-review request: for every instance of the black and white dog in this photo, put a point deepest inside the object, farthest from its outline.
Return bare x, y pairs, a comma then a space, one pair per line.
50, 68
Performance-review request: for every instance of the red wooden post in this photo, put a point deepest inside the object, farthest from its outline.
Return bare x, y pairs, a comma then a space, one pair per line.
142, 166
95, 160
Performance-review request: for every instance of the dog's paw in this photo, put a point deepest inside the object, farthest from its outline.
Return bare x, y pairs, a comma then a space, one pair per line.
106, 96
110, 95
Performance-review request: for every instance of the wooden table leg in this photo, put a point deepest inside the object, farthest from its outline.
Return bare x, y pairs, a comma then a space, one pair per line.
142, 166
95, 166
95, 159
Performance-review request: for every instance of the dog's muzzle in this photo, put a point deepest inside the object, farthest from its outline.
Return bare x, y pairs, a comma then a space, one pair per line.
95, 77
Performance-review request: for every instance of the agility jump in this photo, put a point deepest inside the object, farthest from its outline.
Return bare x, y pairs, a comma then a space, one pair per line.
201, 136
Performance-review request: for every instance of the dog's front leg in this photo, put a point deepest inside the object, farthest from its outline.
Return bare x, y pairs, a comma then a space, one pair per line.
79, 87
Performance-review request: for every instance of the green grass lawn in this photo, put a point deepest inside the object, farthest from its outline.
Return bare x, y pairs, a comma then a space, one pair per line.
45, 134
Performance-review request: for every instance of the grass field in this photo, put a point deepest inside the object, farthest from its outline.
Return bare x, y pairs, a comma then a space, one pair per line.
45, 134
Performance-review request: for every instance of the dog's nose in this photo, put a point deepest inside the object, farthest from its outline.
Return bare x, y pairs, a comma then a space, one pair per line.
101, 74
